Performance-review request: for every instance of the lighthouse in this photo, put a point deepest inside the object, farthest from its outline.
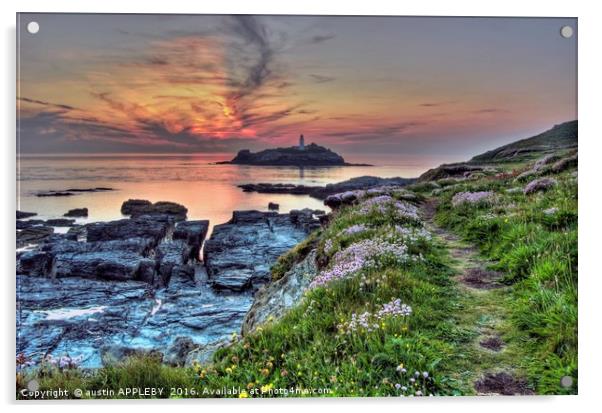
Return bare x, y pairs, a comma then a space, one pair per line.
301, 142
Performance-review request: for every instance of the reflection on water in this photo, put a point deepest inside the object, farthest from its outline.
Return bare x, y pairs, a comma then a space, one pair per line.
209, 191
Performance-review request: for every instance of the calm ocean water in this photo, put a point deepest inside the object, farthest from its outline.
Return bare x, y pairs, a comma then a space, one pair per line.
209, 191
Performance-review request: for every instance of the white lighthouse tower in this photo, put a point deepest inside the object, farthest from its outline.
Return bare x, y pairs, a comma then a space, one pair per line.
301, 142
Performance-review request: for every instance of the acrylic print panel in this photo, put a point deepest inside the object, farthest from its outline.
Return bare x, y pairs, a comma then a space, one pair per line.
303, 206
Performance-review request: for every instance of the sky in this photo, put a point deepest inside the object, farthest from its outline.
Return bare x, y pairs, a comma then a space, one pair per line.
102, 83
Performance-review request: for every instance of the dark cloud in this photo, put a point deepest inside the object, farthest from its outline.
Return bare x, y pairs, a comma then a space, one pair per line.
375, 132
490, 110
43, 103
321, 78
321, 38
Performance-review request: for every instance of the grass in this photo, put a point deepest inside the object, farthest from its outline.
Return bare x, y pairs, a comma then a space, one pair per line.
308, 347
537, 253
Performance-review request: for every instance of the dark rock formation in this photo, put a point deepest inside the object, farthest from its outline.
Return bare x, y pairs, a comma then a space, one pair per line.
321, 192
71, 191
272, 206
60, 222
239, 253
22, 214
139, 207
311, 155
110, 290
154, 228
33, 235
194, 233
77, 212
29, 223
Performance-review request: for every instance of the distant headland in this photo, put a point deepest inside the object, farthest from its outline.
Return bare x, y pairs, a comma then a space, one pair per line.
301, 155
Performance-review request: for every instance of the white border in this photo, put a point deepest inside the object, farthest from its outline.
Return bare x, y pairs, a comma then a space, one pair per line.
590, 153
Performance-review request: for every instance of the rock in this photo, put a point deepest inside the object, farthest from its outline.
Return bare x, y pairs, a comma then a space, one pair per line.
540, 184
33, 235
140, 227
566, 163
178, 352
71, 191
273, 206
449, 171
139, 207
132, 206
311, 155
204, 354
550, 211
115, 354
344, 198
29, 223
542, 162
77, 212
239, 254
274, 299
172, 257
22, 214
60, 222
193, 233
322, 192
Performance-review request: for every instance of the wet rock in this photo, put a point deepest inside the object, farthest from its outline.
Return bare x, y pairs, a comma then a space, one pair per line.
239, 254
71, 191
540, 184
322, 192
33, 235
272, 206
77, 212
29, 223
60, 222
193, 233
141, 227
138, 207
274, 299
172, 256
23, 214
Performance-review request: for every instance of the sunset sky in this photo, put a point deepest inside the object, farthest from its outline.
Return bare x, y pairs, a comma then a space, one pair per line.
360, 85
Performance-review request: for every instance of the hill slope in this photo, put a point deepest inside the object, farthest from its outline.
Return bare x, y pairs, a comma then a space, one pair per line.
563, 136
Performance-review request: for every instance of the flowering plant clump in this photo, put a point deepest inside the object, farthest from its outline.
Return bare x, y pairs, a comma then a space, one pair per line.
472, 198
354, 229
359, 255
413, 234
63, 362
328, 246
385, 203
367, 321
417, 384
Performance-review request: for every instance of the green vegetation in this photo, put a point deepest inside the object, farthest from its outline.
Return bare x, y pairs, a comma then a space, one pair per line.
532, 241
350, 336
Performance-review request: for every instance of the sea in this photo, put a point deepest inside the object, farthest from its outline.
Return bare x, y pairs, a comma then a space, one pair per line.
209, 190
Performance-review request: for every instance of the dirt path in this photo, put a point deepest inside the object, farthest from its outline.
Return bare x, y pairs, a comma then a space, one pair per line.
495, 369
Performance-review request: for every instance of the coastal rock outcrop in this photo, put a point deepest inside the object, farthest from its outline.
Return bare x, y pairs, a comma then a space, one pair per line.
77, 212
239, 253
274, 299
322, 192
140, 207
310, 155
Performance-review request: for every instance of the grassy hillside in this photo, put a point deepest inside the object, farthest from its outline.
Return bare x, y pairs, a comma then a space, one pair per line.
563, 136
387, 314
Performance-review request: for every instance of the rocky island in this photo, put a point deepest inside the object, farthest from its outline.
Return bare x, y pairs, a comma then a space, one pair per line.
301, 155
